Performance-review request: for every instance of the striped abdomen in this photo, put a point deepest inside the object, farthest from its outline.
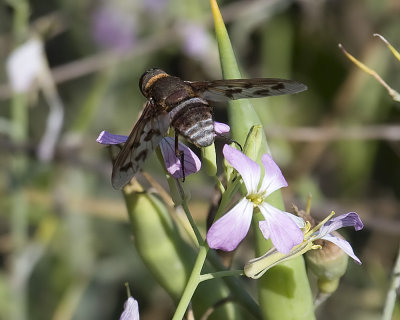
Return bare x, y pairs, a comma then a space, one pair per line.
192, 119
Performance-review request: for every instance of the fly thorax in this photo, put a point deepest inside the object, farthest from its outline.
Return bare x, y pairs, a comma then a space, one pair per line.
149, 78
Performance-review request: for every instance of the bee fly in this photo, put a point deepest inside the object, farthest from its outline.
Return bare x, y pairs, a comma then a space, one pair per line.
184, 105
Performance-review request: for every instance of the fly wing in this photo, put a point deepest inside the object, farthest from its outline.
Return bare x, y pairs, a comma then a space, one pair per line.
232, 89
145, 136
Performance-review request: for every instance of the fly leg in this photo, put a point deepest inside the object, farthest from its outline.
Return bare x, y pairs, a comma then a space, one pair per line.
180, 155
229, 140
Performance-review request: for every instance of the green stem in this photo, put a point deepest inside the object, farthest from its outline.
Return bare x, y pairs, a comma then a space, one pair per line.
236, 286
19, 212
192, 284
227, 197
219, 184
19, 135
189, 216
20, 19
394, 286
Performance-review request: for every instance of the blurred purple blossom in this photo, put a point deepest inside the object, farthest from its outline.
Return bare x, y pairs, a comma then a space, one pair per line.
113, 27
196, 41
155, 6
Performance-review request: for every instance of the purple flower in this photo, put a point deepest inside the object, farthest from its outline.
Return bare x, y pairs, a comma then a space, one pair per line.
255, 268
350, 219
281, 227
155, 6
110, 139
131, 310
221, 128
192, 163
167, 145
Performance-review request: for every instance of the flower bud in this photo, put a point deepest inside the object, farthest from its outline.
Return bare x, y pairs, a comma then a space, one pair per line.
328, 264
253, 142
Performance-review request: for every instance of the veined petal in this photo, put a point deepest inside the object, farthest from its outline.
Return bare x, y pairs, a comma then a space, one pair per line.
109, 138
192, 163
273, 177
229, 230
131, 310
248, 169
297, 220
283, 231
350, 219
342, 244
221, 128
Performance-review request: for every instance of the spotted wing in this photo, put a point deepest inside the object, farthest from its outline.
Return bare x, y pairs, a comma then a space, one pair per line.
147, 133
232, 89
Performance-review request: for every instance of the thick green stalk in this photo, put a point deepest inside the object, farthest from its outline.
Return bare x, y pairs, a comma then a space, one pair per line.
284, 291
241, 114
391, 294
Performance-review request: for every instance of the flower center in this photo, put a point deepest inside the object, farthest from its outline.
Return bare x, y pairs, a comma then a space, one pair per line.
256, 198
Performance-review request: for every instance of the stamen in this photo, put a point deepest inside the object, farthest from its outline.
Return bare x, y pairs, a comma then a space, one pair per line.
256, 198
319, 225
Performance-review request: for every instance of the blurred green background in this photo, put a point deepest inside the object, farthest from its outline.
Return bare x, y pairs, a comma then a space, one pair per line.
65, 244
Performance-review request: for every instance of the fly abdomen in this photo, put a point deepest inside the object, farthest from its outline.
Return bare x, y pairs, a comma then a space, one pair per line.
193, 120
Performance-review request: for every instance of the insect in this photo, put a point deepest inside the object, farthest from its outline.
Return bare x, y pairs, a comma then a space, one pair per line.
184, 105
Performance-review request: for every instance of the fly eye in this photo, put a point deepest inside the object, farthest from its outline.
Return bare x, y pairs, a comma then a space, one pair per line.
141, 80
145, 78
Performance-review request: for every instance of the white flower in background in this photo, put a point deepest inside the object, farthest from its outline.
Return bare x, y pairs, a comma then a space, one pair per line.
24, 65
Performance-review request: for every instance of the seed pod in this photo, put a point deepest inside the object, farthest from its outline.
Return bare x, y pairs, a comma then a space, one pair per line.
167, 256
157, 240
253, 142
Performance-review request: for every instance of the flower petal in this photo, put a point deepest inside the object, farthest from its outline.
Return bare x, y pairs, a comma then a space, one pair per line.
248, 169
229, 230
109, 138
297, 220
192, 163
131, 310
350, 219
283, 231
273, 177
221, 128
342, 244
